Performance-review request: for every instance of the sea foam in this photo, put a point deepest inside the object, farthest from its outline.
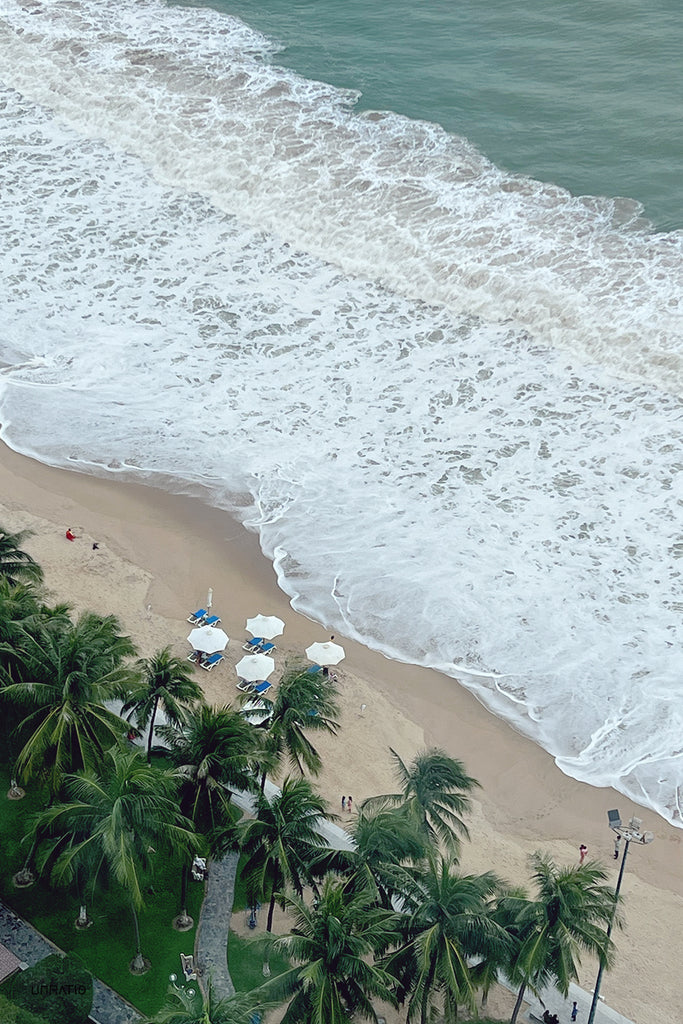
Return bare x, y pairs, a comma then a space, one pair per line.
447, 398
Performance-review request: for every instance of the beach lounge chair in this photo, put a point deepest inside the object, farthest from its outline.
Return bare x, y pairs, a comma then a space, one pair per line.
245, 686
212, 620
313, 669
253, 645
265, 648
213, 659
262, 688
187, 964
197, 616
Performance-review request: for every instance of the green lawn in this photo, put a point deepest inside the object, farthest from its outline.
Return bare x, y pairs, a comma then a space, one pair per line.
109, 945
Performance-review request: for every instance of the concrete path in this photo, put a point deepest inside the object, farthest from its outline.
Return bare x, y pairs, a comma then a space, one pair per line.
31, 947
211, 944
556, 1003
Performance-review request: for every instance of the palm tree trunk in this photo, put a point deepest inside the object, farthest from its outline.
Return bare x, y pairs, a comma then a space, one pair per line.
518, 1003
138, 962
263, 781
151, 730
271, 911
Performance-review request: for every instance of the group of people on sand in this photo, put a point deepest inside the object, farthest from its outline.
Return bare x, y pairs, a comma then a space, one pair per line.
347, 803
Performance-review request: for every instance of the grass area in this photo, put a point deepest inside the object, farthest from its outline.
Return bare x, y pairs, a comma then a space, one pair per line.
245, 963
109, 945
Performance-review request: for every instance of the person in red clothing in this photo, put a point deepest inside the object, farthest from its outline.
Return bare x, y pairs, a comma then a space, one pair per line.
70, 535
583, 850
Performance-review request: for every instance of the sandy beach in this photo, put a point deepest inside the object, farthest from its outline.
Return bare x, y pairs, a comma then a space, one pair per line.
158, 554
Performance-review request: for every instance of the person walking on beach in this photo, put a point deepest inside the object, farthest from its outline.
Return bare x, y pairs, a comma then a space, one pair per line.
617, 840
583, 850
343, 803
349, 804
575, 1010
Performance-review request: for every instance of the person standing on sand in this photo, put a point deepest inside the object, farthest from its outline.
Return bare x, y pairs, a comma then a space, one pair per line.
583, 850
343, 803
349, 804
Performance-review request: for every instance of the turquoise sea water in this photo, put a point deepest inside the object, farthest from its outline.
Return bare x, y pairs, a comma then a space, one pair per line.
587, 95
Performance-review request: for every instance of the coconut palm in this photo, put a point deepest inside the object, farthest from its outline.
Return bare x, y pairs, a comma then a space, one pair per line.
281, 842
304, 702
70, 671
434, 792
487, 971
215, 751
386, 843
182, 1008
166, 681
115, 822
17, 566
570, 915
334, 945
446, 923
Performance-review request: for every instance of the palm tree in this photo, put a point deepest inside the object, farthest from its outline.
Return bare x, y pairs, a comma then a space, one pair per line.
69, 673
166, 681
487, 971
181, 1008
281, 842
115, 822
215, 751
447, 923
304, 702
334, 944
386, 844
570, 914
17, 566
434, 790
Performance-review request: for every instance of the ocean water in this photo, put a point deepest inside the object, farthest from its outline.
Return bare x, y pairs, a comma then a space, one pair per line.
446, 393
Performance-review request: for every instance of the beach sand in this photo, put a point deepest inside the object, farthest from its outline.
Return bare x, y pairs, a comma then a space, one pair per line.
158, 555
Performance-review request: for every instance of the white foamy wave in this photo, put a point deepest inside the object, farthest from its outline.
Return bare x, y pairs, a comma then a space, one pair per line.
379, 195
450, 489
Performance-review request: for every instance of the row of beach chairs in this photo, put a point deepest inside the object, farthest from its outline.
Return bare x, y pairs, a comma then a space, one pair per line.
208, 662
202, 618
255, 689
258, 645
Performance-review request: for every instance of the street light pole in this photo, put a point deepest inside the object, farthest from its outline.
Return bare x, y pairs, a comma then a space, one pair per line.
629, 833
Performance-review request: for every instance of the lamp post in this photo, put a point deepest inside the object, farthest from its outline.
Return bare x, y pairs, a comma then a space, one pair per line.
630, 833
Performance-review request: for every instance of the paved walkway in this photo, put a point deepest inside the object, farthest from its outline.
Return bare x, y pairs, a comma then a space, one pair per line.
211, 944
31, 947
556, 1003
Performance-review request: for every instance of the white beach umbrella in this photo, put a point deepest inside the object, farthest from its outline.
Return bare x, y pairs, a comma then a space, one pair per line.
325, 653
266, 626
254, 667
208, 639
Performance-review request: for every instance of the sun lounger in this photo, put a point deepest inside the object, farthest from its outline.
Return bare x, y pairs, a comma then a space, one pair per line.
262, 688
265, 648
213, 659
187, 964
253, 645
212, 620
313, 669
245, 686
197, 616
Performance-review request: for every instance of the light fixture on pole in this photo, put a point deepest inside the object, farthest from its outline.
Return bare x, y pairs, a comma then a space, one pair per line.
631, 833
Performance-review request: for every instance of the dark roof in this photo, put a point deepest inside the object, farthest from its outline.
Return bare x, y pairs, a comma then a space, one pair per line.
9, 963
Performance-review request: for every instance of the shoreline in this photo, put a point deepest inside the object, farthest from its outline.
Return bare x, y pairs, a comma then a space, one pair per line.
168, 549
